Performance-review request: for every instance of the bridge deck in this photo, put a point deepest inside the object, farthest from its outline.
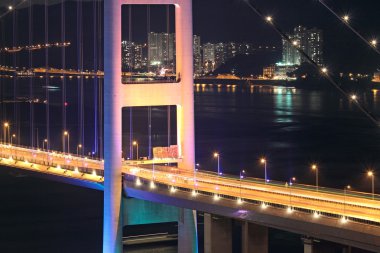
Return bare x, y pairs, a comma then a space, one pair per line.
356, 206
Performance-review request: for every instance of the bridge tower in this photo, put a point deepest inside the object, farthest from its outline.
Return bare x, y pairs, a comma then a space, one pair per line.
118, 95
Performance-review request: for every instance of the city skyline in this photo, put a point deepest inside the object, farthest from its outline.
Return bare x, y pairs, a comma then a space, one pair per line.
231, 21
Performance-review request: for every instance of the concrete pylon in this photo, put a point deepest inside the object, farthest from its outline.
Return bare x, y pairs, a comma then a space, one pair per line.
217, 234
187, 231
112, 232
308, 245
254, 238
118, 95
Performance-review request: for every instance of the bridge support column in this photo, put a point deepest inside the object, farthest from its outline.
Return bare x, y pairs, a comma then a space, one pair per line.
346, 249
187, 231
112, 232
308, 245
217, 234
254, 238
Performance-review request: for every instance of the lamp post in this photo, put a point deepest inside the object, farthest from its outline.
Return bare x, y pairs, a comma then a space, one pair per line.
66, 134
371, 174
264, 161
315, 168
6, 129
43, 144
348, 187
216, 155
291, 182
12, 137
135, 143
195, 174
78, 147
241, 176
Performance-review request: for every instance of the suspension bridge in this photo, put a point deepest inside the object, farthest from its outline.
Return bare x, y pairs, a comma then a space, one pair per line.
347, 217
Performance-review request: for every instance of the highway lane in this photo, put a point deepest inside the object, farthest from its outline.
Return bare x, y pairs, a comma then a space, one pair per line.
332, 201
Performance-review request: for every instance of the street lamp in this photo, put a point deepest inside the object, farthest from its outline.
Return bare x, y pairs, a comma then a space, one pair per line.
66, 133
78, 147
348, 187
6, 129
241, 176
372, 175
315, 168
43, 144
346, 18
291, 182
264, 161
135, 143
216, 155
12, 137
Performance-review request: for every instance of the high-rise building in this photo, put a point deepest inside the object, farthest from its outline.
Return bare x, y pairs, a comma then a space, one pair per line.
208, 57
308, 40
208, 52
161, 51
220, 54
315, 45
138, 56
127, 49
231, 50
245, 48
290, 55
132, 56
197, 51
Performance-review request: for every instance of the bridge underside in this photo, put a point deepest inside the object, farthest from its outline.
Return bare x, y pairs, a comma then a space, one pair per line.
351, 234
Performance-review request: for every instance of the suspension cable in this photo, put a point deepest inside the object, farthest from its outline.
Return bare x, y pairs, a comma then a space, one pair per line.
346, 22
31, 92
63, 63
95, 67
324, 73
48, 144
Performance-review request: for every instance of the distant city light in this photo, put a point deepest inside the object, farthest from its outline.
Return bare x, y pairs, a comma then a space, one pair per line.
10, 7
324, 70
295, 43
269, 18
354, 97
374, 43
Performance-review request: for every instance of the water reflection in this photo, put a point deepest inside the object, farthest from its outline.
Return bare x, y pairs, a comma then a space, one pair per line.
283, 101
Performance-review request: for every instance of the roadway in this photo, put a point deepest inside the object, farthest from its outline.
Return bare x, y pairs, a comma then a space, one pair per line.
356, 206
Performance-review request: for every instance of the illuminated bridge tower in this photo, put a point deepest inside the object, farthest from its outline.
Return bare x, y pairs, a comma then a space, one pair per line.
118, 95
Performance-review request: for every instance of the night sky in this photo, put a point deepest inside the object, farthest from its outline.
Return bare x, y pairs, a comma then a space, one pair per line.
232, 20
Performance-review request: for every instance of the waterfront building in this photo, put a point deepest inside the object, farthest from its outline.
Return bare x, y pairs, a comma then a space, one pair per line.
197, 51
308, 40
161, 51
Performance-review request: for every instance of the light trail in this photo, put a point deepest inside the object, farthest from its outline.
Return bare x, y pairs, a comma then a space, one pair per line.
17, 49
323, 70
345, 20
350, 206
